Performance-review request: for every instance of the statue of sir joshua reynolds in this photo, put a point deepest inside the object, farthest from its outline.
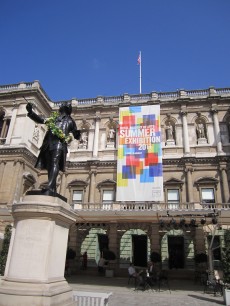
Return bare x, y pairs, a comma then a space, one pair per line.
52, 156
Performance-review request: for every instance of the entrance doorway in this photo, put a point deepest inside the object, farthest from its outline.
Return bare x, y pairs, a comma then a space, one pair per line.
103, 241
176, 252
139, 243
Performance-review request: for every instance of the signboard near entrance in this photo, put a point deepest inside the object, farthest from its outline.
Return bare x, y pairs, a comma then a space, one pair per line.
139, 168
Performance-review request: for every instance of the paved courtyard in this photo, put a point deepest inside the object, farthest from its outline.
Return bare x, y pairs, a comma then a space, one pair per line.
182, 292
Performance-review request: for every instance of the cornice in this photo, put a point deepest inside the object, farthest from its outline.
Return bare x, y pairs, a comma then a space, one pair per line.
16, 152
89, 164
196, 160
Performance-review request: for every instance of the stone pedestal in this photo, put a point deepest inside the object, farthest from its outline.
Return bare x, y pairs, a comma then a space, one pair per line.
34, 273
202, 141
170, 142
110, 145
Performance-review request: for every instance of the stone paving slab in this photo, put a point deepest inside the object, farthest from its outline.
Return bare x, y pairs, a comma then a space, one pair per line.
182, 292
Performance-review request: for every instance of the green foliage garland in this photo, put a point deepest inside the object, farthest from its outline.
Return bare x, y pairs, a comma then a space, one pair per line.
5, 248
50, 123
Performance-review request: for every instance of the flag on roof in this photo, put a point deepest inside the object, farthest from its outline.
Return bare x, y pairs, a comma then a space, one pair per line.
139, 59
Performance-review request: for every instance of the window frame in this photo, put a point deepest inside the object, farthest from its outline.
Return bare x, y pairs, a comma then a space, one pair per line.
77, 185
107, 204
173, 184
207, 201
75, 203
172, 204
207, 183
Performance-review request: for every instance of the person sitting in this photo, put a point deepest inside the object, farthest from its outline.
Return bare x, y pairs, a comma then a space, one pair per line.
133, 273
150, 267
152, 272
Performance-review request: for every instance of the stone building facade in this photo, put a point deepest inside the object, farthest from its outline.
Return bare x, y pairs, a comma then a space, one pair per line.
195, 126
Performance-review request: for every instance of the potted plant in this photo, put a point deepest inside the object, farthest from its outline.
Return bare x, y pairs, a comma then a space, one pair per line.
108, 255
226, 266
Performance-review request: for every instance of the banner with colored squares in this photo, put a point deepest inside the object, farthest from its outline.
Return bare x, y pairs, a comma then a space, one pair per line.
139, 165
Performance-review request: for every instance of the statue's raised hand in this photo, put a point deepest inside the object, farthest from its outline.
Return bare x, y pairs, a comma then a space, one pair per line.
29, 107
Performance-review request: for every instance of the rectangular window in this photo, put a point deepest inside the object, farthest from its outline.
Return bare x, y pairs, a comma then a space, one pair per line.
77, 198
207, 195
173, 198
108, 198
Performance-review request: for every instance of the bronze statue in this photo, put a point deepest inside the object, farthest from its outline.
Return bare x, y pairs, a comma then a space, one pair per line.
53, 151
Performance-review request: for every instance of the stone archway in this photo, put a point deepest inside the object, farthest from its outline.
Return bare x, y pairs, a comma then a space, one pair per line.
90, 244
186, 242
127, 245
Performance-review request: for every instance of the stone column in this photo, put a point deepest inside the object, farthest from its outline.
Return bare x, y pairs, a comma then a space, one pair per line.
113, 243
2, 168
12, 124
92, 185
96, 135
155, 239
189, 170
185, 133
217, 130
199, 243
34, 273
224, 179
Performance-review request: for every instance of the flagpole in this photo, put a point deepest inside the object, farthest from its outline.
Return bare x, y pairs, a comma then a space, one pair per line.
140, 70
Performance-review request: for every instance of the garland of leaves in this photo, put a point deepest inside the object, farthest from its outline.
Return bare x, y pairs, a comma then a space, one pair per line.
50, 123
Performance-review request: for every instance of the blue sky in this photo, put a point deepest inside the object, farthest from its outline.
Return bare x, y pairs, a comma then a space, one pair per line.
88, 48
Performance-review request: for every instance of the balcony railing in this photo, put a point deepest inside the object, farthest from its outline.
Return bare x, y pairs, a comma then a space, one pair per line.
153, 206
153, 96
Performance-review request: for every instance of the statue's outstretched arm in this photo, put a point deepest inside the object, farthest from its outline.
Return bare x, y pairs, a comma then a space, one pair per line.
31, 114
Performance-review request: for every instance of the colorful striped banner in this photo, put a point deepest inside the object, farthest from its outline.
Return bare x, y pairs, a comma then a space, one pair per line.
139, 167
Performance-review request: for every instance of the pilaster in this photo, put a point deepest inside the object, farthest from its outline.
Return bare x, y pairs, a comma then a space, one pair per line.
96, 135
185, 132
189, 170
217, 130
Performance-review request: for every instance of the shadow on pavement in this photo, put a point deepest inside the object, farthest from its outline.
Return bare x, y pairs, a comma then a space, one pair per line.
206, 299
175, 285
